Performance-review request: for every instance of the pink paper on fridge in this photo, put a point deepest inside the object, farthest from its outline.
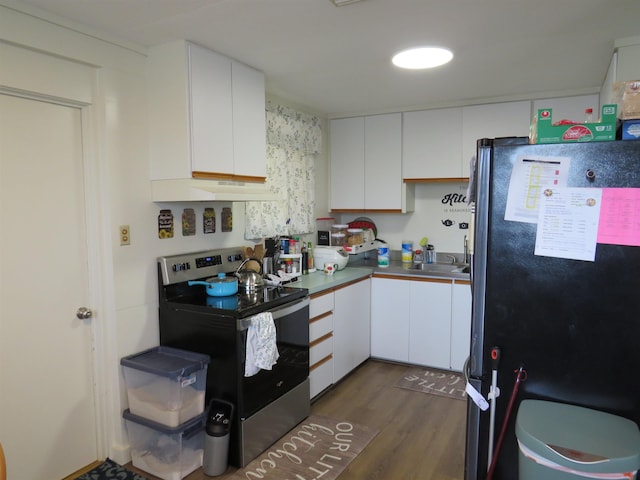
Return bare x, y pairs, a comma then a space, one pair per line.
620, 217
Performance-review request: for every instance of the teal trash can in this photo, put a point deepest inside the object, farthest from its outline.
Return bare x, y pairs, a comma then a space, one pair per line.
562, 442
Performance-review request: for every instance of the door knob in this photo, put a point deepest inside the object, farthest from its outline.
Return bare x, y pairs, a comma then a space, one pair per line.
84, 313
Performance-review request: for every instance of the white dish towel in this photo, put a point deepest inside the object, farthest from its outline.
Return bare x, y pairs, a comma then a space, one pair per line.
262, 351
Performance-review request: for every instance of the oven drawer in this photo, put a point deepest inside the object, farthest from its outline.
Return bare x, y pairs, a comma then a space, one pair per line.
320, 326
321, 304
321, 376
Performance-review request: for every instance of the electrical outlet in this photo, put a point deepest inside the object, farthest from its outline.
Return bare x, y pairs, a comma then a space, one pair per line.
125, 236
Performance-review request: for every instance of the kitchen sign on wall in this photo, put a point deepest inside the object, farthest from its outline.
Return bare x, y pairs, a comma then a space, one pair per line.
455, 209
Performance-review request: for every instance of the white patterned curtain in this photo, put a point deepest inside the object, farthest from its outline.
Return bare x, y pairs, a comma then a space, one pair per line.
294, 140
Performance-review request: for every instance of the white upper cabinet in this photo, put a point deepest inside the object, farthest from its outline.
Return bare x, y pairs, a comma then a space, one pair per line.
627, 66
211, 111
347, 163
207, 115
249, 121
570, 108
366, 164
438, 144
383, 162
509, 119
432, 144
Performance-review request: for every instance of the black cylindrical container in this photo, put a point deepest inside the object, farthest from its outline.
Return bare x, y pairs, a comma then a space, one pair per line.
216, 440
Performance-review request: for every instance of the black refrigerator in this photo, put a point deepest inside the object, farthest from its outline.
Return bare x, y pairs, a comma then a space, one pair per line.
556, 284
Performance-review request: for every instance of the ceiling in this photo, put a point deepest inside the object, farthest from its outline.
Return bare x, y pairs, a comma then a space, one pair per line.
335, 61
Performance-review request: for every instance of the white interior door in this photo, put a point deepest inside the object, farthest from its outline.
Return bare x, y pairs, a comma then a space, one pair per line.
47, 408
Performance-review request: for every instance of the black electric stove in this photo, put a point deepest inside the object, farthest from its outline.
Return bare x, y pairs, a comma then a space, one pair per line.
268, 403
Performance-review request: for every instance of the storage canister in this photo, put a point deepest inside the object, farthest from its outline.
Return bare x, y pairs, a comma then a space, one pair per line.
339, 235
354, 236
338, 239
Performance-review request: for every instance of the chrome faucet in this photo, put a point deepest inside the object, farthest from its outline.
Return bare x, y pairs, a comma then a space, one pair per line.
465, 258
453, 258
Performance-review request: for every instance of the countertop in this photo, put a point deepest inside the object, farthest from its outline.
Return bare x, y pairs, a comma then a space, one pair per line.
317, 281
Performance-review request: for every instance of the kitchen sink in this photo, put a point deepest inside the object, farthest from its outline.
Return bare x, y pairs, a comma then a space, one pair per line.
441, 267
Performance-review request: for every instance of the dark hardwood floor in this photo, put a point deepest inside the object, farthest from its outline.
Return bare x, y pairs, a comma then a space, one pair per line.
421, 436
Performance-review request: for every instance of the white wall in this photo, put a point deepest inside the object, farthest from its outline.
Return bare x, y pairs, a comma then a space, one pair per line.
128, 319
434, 204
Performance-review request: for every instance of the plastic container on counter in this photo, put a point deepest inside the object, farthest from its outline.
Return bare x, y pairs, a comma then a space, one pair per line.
339, 228
383, 255
407, 251
355, 236
338, 239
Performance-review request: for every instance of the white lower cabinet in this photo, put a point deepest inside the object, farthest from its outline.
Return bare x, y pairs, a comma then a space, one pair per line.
339, 325
351, 327
430, 323
424, 321
390, 313
460, 323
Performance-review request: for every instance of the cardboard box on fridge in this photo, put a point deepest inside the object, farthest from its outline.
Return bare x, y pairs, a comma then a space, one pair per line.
631, 129
543, 130
627, 96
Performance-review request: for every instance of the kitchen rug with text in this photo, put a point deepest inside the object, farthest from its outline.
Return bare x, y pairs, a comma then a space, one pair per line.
433, 381
319, 447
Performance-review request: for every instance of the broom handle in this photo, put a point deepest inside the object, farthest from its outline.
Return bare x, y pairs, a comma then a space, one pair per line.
521, 375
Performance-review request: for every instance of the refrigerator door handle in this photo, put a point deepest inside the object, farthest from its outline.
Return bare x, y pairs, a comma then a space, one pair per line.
470, 390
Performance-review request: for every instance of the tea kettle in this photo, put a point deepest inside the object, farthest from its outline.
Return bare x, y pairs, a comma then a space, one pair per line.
248, 280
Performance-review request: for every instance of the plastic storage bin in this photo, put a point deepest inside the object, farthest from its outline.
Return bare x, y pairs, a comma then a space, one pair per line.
562, 442
166, 452
166, 385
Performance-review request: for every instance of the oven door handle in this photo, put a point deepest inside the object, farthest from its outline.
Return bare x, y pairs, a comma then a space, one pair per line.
290, 308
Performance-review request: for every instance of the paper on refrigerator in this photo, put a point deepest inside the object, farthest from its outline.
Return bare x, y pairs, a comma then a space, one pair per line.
568, 223
530, 176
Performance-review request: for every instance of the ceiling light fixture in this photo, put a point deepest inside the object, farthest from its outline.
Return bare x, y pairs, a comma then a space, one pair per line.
422, 57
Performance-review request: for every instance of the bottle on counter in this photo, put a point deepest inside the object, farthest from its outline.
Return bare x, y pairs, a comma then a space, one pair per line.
407, 251
310, 256
383, 255
430, 254
305, 259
